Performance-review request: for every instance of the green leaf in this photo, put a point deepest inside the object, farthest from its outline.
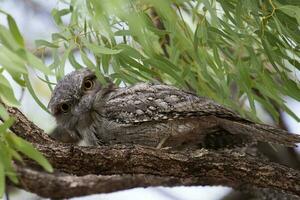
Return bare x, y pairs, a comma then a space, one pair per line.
46, 80
7, 39
295, 63
31, 91
3, 113
167, 67
73, 61
6, 124
87, 61
57, 14
57, 36
91, 66
291, 113
14, 30
99, 50
38, 64
140, 67
45, 43
2, 178
239, 12
6, 92
15, 155
129, 51
12, 61
7, 162
27, 149
64, 58
105, 62
123, 33
292, 89
269, 54
292, 11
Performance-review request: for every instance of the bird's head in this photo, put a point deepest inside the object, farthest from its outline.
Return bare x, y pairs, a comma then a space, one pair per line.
73, 97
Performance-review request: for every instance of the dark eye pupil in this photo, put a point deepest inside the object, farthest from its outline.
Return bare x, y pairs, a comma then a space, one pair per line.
64, 107
88, 84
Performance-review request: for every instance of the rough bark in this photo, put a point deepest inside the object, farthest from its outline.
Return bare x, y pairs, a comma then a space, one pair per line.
65, 186
103, 169
205, 167
24, 128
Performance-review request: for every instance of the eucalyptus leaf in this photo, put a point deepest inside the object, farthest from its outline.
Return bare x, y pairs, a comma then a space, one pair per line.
6, 124
2, 178
27, 149
73, 61
38, 64
12, 61
3, 113
15, 30
99, 50
7, 162
6, 92
33, 94
45, 43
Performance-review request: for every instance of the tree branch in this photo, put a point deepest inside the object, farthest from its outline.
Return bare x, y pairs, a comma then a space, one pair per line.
67, 186
26, 129
205, 167
142, 166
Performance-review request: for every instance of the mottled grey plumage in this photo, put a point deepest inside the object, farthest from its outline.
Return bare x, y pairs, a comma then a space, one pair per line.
154, 115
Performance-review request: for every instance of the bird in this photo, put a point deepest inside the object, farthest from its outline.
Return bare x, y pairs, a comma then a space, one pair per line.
152, 114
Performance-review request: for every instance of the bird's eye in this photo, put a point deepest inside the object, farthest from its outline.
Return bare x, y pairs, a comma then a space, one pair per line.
88, 84
64, 107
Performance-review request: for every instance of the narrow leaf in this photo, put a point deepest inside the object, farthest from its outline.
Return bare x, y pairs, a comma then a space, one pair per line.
3, 113
32, 92
96, 49
6, 124
2, 178
45, 43
14, 30
38, 64
74, 62
27, 149
7, 162
12, 61
6, 92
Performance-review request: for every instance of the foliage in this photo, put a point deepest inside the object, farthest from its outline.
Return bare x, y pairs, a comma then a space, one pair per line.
228, 50
15, 59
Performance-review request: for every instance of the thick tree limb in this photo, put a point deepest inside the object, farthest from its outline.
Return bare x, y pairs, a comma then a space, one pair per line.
66, 186
26, 129
208, 168
142, 166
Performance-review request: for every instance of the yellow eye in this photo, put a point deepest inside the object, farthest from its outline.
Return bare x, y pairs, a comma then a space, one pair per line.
64, 107
88, 84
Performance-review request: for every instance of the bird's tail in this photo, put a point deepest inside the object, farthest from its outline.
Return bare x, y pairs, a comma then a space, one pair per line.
276, 135
261, 132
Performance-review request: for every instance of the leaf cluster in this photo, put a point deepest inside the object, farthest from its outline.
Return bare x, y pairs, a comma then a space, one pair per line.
231, 51
15, 60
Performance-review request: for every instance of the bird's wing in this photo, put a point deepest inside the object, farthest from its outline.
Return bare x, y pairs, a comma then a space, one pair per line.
155, 102
147, 102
